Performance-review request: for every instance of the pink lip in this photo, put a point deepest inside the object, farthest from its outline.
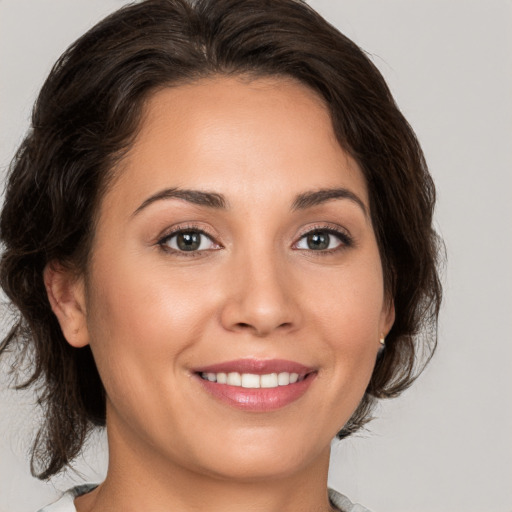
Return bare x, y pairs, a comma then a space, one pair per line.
262, 399
256, 366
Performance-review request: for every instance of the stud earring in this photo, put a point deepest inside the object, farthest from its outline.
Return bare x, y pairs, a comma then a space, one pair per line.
382, 340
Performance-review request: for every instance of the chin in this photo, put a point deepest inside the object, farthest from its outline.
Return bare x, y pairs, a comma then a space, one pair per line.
261, 457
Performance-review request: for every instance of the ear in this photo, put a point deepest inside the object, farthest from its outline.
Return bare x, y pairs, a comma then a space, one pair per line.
66, 293
387, 316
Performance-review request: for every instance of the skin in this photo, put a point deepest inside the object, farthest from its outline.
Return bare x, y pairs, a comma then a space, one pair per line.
254, 290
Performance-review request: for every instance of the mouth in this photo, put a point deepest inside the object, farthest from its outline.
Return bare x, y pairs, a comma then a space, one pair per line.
256, 385
253, 380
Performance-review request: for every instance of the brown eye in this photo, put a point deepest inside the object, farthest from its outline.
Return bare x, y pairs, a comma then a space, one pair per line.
189, 241
318, 241
323, 240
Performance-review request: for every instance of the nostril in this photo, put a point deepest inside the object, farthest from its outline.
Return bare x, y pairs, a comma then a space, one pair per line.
247, 326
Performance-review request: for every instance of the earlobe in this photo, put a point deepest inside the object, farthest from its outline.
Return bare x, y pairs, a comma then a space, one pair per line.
66, 294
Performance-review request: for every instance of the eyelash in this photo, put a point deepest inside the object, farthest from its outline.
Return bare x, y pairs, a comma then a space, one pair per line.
162, 242
345, 239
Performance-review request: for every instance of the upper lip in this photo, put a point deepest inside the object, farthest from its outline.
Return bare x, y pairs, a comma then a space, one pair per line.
256, 366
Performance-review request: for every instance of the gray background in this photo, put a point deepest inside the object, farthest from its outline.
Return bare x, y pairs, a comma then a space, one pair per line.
446, 444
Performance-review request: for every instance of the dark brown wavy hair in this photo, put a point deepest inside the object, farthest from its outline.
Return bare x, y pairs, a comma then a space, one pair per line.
86, 117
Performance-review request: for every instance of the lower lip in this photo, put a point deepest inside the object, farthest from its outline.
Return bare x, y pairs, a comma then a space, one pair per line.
260, 399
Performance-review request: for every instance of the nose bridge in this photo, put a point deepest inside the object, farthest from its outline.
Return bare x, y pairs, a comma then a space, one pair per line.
261, 298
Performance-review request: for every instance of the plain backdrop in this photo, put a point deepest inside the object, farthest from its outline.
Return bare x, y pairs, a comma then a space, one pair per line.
445, 445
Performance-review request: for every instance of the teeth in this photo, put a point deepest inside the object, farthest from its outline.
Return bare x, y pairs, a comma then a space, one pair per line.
269, 380
283, 379
234, 379
249, 380
253, 381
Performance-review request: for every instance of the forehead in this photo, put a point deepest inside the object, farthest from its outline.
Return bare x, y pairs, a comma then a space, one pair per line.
235, 135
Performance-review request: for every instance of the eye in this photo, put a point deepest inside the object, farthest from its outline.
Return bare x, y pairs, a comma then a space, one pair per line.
323, 240
189, 240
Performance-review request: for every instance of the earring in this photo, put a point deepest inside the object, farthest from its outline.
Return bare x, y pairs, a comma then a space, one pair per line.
382, 340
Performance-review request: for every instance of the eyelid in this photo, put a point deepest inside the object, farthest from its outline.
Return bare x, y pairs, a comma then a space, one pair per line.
344, 236
341, 233
175, 230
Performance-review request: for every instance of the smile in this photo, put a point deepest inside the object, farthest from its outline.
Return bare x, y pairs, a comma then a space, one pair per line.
252, 380
256, 385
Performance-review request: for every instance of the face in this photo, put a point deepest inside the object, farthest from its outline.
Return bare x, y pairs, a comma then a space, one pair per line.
234, 299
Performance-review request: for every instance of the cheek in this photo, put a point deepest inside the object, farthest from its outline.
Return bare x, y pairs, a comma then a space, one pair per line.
139, 324
349, 317
349, 303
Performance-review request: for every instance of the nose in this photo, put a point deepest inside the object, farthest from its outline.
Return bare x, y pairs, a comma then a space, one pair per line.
261, 298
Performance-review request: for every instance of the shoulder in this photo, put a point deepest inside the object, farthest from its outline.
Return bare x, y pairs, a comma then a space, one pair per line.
66, 502
343, 504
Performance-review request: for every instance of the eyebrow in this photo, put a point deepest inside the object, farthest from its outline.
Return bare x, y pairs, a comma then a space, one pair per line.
199, 197
318, 197
218, 201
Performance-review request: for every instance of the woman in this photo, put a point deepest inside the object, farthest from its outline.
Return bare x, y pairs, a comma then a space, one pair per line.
218, 234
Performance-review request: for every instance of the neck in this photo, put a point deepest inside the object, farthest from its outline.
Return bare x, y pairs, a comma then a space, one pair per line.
139, 478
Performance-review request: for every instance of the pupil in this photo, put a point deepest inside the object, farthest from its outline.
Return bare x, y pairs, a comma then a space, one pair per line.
189, 241
318, 241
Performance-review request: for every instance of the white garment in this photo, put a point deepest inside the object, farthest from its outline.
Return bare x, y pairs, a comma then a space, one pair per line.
66, 503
